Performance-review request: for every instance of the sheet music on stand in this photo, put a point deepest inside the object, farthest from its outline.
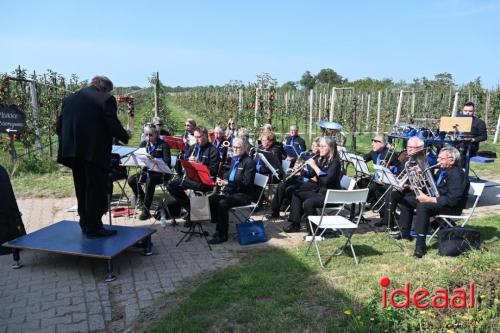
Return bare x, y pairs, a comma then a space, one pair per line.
132, 160
273, 170
359, 163
156, 165
291, 150
343, 154
386, 176
122, 150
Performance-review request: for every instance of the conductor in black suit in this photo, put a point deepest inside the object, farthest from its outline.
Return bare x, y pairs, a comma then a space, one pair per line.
86, 127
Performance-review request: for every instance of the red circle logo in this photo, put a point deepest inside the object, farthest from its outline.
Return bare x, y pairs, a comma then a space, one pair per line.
384, 282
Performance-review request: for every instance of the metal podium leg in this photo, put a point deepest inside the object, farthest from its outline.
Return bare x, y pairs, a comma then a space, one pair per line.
109, 269
147, 246
17, 259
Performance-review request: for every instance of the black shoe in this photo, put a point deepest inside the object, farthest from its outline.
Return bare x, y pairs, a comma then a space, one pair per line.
144, 214
272, 216
101, 233
292, 228
419, 252
400, 236
217, 239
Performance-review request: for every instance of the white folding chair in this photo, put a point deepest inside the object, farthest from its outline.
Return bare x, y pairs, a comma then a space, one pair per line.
337, 222
260, 181
285, 165
475, 189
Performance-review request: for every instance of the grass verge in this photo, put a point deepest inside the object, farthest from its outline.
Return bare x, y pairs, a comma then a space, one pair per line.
284, 290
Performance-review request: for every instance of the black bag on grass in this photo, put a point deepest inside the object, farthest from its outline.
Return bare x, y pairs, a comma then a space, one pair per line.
455, 241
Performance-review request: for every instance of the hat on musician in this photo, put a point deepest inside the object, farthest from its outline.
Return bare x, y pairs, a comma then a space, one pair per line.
379, 137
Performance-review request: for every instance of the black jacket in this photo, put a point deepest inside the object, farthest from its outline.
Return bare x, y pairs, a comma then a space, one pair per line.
453, 189
333, 170
277, 153
208, 155
161, 150
479, 133
372, 156
86, 127
297, 142
244, 177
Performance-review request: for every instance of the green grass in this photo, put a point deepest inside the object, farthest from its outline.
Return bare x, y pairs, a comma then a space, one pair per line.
286, 291
57, 184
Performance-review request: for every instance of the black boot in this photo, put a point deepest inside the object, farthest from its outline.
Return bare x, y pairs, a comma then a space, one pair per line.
420, 248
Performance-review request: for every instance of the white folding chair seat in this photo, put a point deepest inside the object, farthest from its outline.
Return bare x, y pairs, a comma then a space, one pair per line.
260, 181
285, 165
337, 222
475, 189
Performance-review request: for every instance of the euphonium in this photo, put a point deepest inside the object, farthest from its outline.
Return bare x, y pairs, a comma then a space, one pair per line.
419, 174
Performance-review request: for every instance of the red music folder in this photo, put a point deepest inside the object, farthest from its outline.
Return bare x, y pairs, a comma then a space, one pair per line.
174, 142
198, 172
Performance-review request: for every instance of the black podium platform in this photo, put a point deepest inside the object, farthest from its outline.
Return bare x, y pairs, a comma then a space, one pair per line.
65, 237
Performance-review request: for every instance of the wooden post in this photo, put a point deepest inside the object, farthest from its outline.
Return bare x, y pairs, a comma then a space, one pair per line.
255, 124
319, 106
455, 105
368, 111
413, 96
495, 139
379, 102
487, 108
36, 115
156, 88
240, 102
311, 104
332, 104
400, 105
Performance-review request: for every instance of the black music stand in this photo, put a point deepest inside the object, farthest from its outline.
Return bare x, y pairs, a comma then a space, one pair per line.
200, 173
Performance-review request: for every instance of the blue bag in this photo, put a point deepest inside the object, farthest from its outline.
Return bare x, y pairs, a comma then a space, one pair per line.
250, 232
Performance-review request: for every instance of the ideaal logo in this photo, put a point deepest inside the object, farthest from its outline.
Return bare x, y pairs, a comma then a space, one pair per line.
422, 298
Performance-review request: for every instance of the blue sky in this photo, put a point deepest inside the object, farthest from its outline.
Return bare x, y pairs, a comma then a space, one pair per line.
213, 42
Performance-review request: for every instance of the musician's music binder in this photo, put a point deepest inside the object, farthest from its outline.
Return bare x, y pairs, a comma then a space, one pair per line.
175, 142
197, 172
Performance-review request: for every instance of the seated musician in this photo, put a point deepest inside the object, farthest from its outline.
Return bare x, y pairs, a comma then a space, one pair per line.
478, 129
220, 137
160, 127
156, 149
238, 183
232, 131
269, 144
243, 134
202, 152
295, 141
307, 198
414, 145
285, 189
188, 136
453, 188
380, 155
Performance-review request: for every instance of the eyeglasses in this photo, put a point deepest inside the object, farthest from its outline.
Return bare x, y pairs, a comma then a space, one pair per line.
413, 147
237, 147
323, 146
150, 134
377, 141
187, 124
444, 158
198, 136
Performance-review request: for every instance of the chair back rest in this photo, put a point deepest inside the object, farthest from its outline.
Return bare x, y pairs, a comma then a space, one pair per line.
346, 197
285, 164
347, 183
476, 189
260, 181
173, 161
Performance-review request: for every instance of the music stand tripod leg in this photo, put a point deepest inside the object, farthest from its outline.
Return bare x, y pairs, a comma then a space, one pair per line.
109, 271
17, 259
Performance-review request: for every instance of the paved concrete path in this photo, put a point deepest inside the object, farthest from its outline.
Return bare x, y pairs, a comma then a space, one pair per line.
59, 293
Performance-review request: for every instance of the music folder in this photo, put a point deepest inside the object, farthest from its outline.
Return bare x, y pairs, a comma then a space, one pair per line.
122, 150
455, 124
198, 172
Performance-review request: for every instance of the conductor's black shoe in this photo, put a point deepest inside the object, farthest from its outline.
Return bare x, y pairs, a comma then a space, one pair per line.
292, 228
144, 215
101, 233
419, 252
217, 239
